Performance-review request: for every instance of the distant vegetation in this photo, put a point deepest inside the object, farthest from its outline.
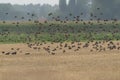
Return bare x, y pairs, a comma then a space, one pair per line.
18, 12
59, 31
101, 9
79, 20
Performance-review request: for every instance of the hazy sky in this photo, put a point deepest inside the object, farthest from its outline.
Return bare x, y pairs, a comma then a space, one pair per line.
52, 2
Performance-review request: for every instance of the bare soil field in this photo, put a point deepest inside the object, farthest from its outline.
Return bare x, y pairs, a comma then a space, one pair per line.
70, 65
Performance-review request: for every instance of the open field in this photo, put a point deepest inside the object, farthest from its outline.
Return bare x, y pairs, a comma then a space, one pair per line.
78, 50
63, 40
70, 65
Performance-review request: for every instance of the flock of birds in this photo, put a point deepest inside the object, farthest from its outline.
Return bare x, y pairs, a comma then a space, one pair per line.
65, 47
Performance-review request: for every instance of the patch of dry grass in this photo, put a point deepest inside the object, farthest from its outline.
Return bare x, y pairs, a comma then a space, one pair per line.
72, 66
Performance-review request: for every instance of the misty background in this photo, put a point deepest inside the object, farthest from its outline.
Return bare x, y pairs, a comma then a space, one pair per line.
44, 9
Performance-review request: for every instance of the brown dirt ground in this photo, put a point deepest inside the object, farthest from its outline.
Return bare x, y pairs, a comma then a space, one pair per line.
39, 65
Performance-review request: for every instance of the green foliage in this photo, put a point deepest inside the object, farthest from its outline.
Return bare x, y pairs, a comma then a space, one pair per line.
58, 32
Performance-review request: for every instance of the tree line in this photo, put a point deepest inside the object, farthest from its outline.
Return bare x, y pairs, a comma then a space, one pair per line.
86, 9
104, 9
73, 6
25, 12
